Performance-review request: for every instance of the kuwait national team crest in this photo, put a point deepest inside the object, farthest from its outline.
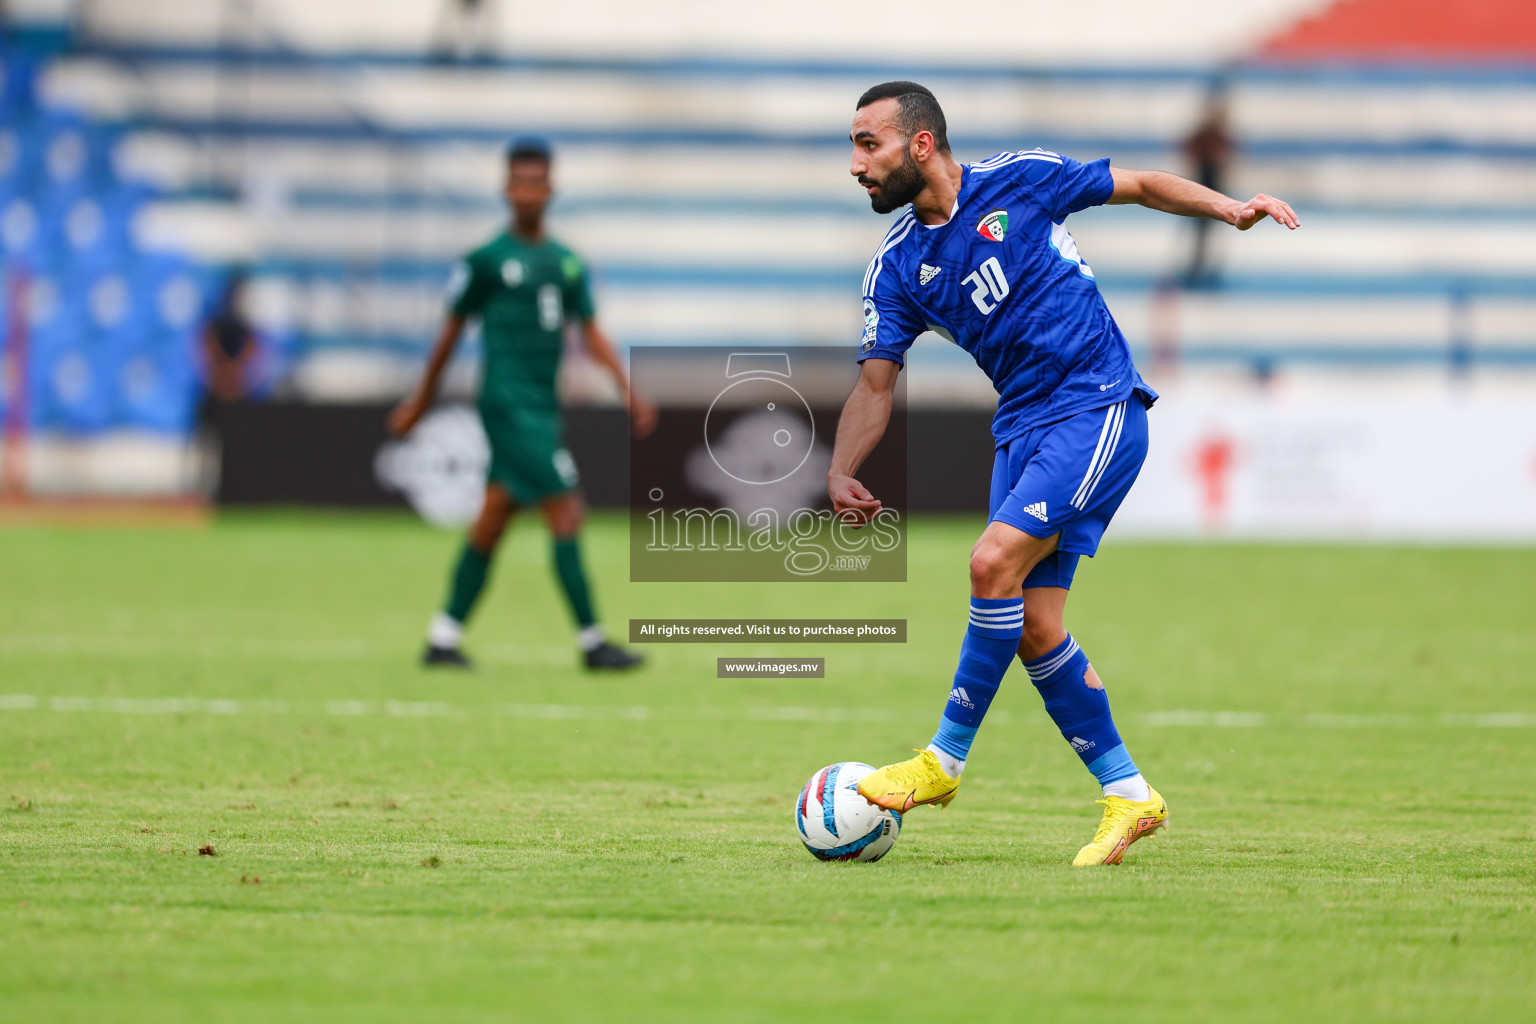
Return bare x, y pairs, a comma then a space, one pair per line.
994, 226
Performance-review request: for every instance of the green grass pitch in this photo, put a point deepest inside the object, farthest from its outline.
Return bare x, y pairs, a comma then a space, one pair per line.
1345, 737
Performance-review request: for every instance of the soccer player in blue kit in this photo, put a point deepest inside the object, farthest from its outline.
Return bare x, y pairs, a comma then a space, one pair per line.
982, 257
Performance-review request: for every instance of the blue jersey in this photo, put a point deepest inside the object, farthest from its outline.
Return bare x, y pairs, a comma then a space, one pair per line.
1003, 280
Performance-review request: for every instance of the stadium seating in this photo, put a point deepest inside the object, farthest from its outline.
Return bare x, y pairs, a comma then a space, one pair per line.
715, 208
108, 324
711, 197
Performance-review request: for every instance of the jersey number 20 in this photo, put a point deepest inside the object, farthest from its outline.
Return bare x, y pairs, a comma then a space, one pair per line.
987, 281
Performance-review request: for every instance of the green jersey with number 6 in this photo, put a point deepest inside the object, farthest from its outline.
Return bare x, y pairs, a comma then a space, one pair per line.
523, 292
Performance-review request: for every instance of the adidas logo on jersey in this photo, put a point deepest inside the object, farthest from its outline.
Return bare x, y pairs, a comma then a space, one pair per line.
959, 696
926, 273
1038, 511
1079, 744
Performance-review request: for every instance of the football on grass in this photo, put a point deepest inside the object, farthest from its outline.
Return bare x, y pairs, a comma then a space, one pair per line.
836, 823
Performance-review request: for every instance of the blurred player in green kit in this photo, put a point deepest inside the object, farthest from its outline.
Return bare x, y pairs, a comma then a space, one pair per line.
525, 287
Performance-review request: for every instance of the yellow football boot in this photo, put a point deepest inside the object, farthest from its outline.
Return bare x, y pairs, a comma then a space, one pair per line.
904, 785
1124, 822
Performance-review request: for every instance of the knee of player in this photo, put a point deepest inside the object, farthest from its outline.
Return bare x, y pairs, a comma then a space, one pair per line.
566, 518
491, 524
486, 533
1040, 636
989, 568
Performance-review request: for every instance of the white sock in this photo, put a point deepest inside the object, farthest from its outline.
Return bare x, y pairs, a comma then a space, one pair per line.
590, 638
951, 764
445, 631
1133, 788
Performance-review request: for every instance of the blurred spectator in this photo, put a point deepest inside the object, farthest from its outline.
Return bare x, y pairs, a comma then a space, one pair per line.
229, 345
465, 29
1209, 149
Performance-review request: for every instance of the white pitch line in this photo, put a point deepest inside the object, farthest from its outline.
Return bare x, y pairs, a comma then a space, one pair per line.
1262, 720
758, 713
159, 647
114, 646
201, 647
1206, 719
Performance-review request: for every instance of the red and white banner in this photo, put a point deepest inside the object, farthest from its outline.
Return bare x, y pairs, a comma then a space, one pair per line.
1439, 467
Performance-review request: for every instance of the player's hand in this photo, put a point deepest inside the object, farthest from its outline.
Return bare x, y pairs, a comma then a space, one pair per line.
642, 416
404, 417
1260, 206
851, 500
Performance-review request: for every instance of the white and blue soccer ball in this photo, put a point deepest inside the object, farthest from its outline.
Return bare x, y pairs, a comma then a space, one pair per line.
836, 823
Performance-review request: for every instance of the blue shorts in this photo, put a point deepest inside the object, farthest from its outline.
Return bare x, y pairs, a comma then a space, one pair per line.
1069, 477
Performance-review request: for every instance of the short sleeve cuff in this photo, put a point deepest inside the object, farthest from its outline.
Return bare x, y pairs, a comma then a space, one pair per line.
1104, 182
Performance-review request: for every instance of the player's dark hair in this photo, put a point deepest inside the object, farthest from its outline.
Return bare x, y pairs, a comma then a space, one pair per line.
916, 110
531, 149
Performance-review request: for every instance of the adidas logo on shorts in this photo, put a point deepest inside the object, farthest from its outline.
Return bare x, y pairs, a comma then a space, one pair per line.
1038, 511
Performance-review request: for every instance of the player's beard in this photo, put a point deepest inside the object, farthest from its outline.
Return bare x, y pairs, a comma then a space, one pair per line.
900, 187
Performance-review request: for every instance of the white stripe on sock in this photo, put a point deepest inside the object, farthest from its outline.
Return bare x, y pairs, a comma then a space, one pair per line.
1048, 669
1012, 609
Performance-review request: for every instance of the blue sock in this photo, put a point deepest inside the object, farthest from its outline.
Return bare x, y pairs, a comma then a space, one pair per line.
991, 640
1081, 712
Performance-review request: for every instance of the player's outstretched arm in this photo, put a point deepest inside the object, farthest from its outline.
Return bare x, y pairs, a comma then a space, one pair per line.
1159, 190
409, 412
641, 413
859, 429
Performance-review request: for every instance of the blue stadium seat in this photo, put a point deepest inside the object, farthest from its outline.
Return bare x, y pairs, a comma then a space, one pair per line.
111, 330
22, 237
93, 232
109, 299
120, 203
50, 345
12, 158
57, 153
177, 290
18, 80
80, 386
50, 302
154, 382
32, 144
64, 154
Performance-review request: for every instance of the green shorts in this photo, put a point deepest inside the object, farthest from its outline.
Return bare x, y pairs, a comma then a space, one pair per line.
528, 455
